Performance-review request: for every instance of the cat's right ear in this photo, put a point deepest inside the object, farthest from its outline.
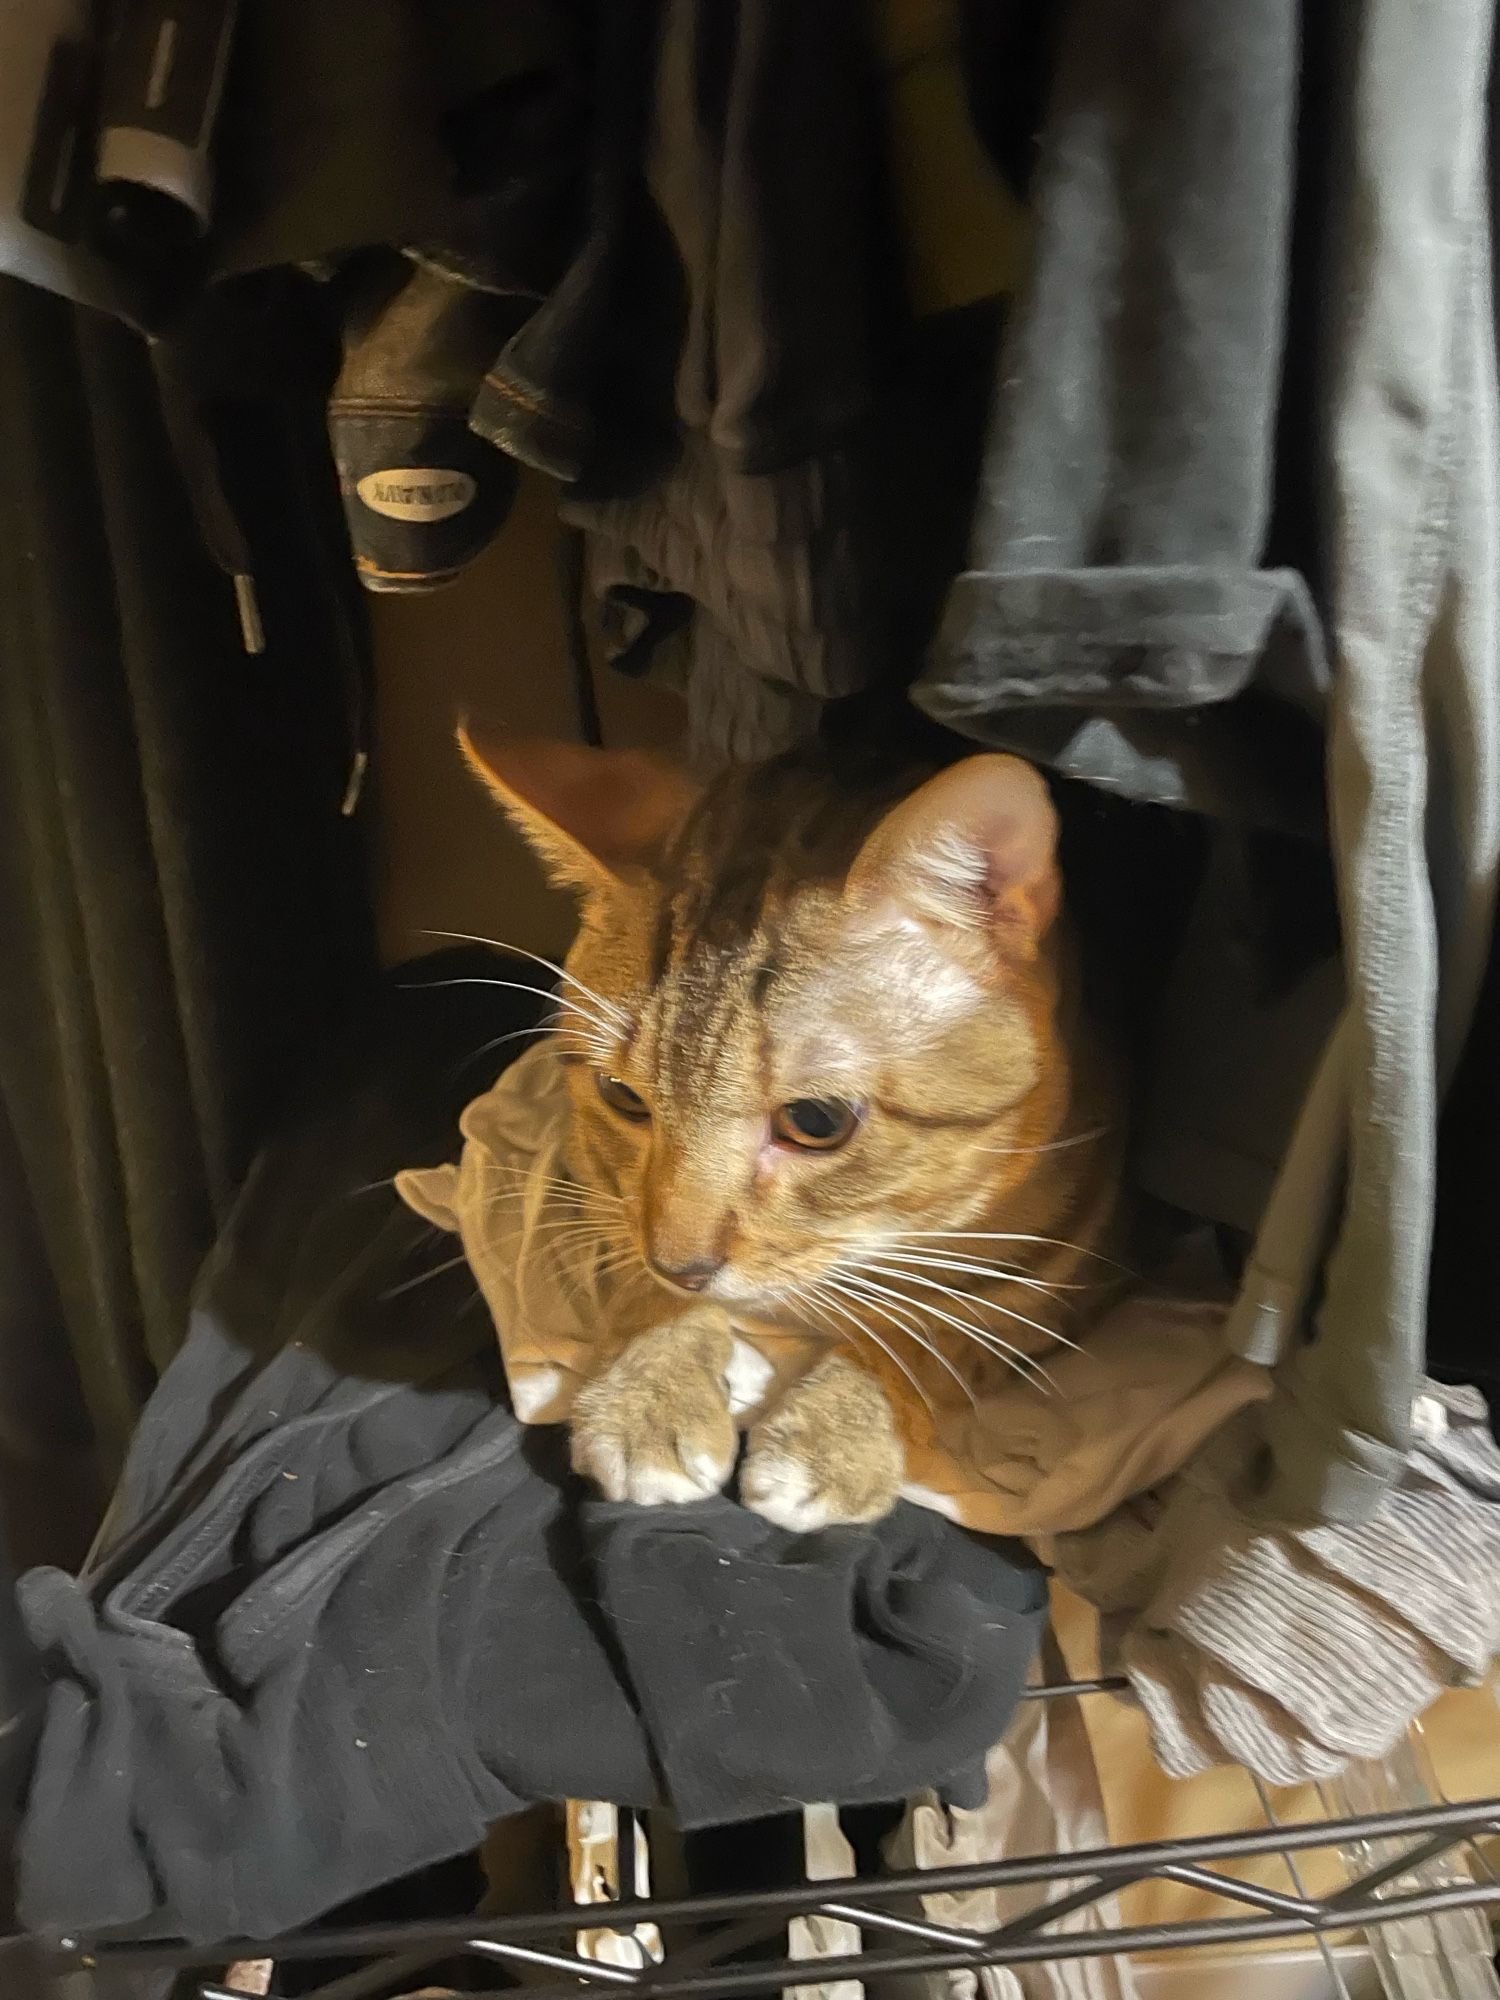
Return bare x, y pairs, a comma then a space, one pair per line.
590, 815
972, 852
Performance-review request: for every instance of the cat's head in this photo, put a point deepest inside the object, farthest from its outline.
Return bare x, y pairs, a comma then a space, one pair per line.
796, 1021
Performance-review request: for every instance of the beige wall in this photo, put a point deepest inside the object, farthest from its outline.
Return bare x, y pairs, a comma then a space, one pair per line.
492, 646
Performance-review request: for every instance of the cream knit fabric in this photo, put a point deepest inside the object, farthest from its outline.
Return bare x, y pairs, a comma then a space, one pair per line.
1294, 1650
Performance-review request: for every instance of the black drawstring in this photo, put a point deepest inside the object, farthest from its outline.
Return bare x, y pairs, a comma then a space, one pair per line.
197, 458
571, 584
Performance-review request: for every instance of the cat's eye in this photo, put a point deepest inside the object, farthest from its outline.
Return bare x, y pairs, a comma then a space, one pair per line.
620, 1097
815, 1124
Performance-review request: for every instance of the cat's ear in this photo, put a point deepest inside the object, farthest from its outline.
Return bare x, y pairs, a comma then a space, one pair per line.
432, 1192
589, 814
973, 850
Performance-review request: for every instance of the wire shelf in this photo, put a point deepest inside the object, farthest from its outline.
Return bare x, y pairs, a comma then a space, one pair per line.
1416, 1866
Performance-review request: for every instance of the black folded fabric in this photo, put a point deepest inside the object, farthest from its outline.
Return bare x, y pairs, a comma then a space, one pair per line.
857, 1665
350, 1612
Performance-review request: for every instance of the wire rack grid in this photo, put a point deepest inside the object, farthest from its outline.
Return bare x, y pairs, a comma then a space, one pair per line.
1415, 1882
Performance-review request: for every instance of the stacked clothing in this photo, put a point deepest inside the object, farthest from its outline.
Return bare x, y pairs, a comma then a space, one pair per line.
1130, 1467
1233, 563
348, 1611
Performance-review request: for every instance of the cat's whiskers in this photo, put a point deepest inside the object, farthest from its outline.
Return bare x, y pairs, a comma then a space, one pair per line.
606, 1032
558, 1180
982, 1336
369, 1187
554, 1183
589, 1047
583, 1217
582, 1236
608, 1008
858, 1252
995, 1236
816, 1294
592, 1048
966, 1298
976, 1267
558, 1186
906, 1322
422, 1278
503, 1041
587, 1261
1047, 1146
626, 1255
592, 1228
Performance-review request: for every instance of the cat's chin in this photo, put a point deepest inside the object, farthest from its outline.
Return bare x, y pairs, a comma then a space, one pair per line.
729, 1288
760, 1298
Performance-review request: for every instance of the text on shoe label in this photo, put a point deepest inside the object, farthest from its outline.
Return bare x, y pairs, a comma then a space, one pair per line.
413, 493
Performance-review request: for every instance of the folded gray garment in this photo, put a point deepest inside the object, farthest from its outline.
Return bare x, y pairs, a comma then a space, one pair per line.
1116, 618
1293, 1650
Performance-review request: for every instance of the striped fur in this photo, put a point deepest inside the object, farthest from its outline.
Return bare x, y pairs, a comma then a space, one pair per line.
782, 937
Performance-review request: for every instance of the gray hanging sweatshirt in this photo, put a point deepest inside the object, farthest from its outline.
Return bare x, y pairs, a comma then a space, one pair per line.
1238, 300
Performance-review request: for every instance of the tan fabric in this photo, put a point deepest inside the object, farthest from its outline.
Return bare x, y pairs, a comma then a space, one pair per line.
1117, 1416
1044, 1798
827, 1857
1122, 1412
546, 1305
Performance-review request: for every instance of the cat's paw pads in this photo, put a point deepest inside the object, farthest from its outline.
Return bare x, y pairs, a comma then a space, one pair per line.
662, 1474
656, 1428
829, 1456
802, 1496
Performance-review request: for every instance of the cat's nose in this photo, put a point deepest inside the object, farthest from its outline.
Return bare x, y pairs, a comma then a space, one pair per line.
693, 1276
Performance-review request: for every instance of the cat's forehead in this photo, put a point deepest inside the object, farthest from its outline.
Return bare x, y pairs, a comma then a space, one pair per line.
795, 988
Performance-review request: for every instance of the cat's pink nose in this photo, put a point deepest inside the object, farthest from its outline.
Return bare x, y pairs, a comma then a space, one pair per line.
690, 1277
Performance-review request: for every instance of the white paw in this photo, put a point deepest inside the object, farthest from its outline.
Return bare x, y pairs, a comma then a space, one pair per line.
533, 1391
650, 1478
785, 1491
746, 1377
655, 1428
827, 1455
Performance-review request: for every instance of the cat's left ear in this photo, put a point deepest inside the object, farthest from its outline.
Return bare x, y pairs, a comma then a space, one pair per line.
974, 850
590, 814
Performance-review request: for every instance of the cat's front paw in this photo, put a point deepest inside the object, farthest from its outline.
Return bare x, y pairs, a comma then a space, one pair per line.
828, 1455
657, 1427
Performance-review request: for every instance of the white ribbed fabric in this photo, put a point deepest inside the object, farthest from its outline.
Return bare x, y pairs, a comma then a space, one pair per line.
1294, 1650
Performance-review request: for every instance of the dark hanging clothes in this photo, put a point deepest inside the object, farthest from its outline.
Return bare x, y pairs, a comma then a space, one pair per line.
652, 248
705, 377
182, 904
718, 365
423, 494
733, 243
771, 463
348, 1612
1115, 620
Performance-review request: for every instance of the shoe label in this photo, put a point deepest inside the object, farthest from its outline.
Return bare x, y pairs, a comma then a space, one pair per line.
415, 493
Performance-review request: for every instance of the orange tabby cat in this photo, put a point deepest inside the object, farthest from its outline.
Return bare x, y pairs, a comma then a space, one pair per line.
832, 1074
